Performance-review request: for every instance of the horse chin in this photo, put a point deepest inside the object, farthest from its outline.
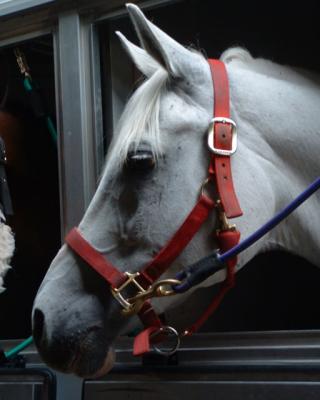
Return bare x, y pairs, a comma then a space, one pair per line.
107, 365
80, 367
88, 354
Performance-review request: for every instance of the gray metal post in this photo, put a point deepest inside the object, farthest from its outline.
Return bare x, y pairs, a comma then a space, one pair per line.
69, 387
76, 122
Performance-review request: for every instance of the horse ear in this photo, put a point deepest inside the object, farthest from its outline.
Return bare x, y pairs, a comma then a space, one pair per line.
158, 44
145, 63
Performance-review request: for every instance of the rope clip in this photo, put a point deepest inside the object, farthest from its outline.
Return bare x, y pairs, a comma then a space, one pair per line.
133, 304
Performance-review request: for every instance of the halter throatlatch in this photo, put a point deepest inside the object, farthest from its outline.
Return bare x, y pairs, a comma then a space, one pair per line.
222, 142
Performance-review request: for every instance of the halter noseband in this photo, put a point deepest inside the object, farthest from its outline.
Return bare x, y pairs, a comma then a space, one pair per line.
222, 142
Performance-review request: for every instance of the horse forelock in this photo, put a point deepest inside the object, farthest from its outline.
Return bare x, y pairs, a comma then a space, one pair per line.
139, 122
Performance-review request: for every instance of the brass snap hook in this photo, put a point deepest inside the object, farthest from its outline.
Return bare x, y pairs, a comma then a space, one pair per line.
158, 289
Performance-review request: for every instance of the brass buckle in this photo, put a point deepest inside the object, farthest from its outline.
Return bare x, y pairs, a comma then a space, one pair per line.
116, 292
234, 142
133, 304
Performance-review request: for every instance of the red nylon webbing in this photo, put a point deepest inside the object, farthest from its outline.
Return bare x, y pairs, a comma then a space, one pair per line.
96, 260
226, 240
152, 271
221, 165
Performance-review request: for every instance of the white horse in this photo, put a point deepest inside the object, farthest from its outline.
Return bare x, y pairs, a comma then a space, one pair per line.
155, 166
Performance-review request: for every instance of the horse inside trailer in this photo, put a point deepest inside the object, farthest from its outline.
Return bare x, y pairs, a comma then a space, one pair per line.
155, 167
271, 293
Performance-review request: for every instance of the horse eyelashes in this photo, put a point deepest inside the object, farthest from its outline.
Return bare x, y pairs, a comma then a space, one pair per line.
140, 161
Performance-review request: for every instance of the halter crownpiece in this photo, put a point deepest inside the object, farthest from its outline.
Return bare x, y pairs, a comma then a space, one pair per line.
222, 142
225, 141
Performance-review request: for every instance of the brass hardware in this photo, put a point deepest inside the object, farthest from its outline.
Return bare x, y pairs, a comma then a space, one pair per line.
204, 185
156, 290
134, 304
207, 188
224, 222
116, 292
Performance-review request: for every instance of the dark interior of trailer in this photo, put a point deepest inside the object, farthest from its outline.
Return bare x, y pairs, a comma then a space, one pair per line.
32, 175
275, 291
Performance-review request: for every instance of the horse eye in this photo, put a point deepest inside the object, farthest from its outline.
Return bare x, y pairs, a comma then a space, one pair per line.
140, 160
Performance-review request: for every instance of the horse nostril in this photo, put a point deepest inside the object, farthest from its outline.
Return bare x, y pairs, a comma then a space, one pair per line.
38, 325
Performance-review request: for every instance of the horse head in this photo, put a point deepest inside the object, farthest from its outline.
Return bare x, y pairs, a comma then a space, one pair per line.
152, 178
155, 167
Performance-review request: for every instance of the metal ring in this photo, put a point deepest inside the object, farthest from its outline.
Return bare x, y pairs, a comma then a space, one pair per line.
169, 330
208, 189
205, 188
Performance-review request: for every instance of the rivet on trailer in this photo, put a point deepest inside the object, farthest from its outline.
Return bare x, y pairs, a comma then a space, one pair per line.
64, 71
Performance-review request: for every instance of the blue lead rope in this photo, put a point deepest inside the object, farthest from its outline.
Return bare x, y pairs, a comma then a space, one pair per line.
201, 270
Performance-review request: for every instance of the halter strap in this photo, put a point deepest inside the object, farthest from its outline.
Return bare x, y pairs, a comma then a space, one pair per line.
162, 261
96, 260
220, 165
220, 173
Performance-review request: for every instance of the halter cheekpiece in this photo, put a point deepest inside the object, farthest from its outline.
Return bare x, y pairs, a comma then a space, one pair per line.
222, 143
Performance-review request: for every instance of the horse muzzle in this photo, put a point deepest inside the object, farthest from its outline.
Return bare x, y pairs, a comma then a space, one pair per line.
84, 352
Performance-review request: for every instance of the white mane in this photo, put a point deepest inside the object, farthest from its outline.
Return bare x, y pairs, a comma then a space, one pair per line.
139, 121
236, 54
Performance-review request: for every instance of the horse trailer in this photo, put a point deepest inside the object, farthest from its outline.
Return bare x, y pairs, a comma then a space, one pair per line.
64, 82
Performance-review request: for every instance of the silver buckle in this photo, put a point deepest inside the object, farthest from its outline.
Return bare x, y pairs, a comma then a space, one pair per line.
234, 142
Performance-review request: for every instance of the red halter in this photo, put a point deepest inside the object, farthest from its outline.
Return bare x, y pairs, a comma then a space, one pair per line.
222, 143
